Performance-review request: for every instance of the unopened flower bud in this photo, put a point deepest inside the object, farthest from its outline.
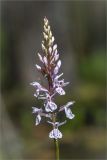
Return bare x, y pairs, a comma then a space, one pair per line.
45, 21
43, 47
50, 34
54, 47
50, 50
52, 39
45, 36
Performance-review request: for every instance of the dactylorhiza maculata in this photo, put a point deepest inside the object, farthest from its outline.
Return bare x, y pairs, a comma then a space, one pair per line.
49, 68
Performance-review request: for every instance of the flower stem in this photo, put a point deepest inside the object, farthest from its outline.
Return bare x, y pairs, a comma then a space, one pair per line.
56, 148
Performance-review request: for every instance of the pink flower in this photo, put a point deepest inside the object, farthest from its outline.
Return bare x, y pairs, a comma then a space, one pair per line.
55, 133
50, 70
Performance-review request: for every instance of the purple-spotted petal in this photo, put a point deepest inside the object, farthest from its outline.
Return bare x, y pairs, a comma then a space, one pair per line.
55, 133
60, 91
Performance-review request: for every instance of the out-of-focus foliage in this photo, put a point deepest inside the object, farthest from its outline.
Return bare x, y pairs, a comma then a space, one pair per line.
79, 28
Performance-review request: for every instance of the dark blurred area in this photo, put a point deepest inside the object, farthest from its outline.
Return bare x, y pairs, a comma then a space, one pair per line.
79, 28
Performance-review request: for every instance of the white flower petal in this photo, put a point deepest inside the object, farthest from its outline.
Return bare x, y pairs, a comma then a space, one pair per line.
59, 63
69, 113
35, 95
39, 87
60, 91
43, 89
38, 119
58, 76
35, 84
56, 69
69, 103
55, 52
38, 67
35, 110
65, 84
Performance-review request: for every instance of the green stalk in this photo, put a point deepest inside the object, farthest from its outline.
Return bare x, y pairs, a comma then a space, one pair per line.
56, 149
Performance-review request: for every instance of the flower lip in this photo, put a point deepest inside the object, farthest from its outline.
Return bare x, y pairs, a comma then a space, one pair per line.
55, 133
50, 106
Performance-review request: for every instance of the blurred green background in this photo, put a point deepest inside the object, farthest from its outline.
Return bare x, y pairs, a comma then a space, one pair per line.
79, 28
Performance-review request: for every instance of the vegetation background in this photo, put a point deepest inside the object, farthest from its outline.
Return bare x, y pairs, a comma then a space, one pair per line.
79, 28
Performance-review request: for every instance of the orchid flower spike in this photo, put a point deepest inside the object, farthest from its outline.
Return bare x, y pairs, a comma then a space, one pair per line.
50, 69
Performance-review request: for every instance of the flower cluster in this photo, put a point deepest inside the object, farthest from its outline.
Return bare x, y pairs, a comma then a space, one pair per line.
49, 68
